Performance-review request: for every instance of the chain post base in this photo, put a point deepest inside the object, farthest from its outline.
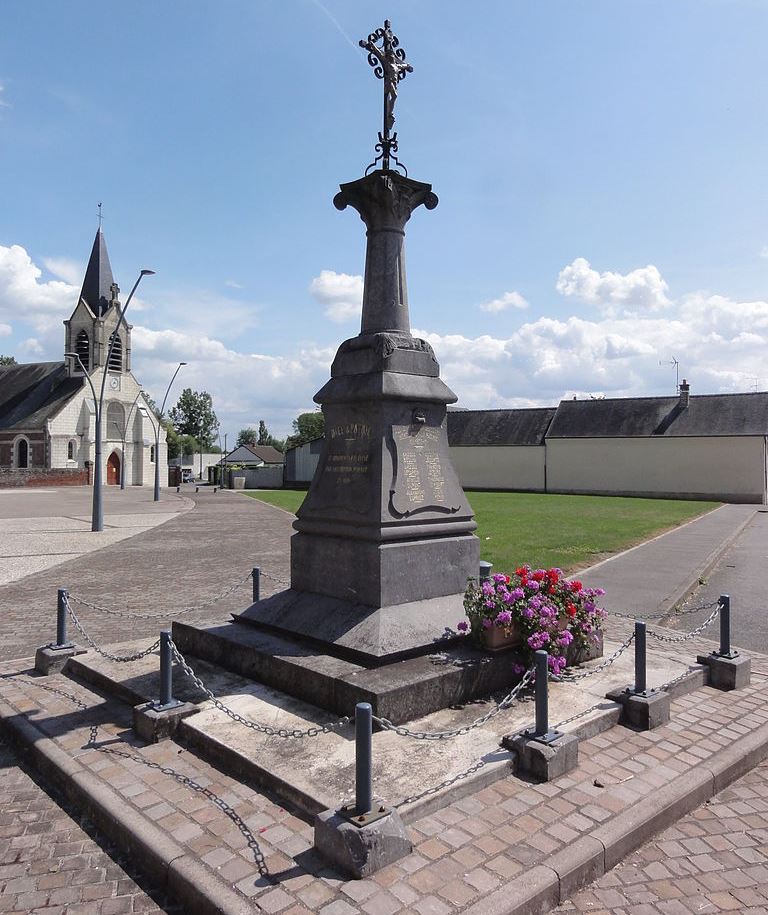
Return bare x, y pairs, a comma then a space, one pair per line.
153, 723
727, 672
52, 658
361, 850
379, 811
642, 711
543, 760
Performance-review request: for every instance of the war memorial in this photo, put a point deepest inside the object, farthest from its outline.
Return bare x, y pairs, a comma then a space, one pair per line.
349, 694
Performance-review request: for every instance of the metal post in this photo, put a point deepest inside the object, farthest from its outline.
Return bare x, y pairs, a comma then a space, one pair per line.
542, 699
363, 760
485, 570
256, 583
640, 680
97, 514
61, 619
166, 668
725, 626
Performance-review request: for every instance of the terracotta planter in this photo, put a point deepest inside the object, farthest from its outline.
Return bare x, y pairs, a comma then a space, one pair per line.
574, 656
498, 639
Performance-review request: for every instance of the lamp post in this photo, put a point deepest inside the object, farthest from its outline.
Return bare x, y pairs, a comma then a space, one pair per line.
125, 435
157, 433
97, 514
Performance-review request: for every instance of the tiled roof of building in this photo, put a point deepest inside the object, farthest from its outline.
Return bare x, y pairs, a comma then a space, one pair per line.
33, 392
265, 453
631, 417
499, 427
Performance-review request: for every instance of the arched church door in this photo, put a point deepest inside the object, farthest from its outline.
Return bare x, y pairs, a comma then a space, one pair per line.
113, 469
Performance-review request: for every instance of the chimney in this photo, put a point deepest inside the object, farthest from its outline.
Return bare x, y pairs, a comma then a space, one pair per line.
685, 394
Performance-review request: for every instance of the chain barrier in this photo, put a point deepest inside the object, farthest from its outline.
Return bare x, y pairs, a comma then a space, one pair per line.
587, 711
688, 635
247, 722
105, 654
572, 678
682, 611
475, 767
163, 614
186, 780
279, 581
401, 731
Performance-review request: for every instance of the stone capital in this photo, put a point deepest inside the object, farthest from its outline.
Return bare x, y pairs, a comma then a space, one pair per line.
385, 199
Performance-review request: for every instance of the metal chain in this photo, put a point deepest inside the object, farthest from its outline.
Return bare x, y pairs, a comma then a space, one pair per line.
660, 616
387, 725
132, 614
575, 717
678, 679
247, 722
681, 611
688, 635
105, 654
572, 678
279, 581
475, 767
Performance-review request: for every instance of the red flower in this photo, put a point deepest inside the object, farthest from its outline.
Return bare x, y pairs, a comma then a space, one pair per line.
570, 609
507, 579
538, 575
521, 572
576, 586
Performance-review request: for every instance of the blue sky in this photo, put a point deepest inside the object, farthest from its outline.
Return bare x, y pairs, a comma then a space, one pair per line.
600, 165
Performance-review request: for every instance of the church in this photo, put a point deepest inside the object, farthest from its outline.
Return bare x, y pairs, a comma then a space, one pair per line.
47, 410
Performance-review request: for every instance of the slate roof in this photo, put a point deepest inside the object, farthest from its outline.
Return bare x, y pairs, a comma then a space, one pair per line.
265, 453
98, 277
499, 427
633, 417
33, 392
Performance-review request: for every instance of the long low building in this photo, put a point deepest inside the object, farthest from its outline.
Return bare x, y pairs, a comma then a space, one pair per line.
709, 446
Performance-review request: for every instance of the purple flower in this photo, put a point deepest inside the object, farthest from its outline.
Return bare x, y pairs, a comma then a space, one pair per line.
565, 638
504, 618
518, 594
533, 585
500, 578
534, 603
538, 640
487, 588
528, 613
463, 626
487, 623
490, 603
518, 669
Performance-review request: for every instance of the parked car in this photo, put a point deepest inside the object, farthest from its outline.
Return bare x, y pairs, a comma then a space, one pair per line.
187, 476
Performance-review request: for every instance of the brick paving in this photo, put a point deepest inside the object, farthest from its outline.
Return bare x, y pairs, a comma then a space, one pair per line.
462, 852
713, 860
49, 864
184, 562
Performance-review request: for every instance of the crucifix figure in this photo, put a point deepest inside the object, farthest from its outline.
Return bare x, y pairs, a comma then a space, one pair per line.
388, 62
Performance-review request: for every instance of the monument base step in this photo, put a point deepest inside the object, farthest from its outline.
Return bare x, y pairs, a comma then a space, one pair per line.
400, 691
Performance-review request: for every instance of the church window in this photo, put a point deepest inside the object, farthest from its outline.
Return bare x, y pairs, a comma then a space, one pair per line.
71, 450
22, 454
115, 420
115, 363
83, 349
152, 454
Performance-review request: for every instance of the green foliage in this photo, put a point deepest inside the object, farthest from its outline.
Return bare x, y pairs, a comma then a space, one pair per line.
545, 531
250, 436
193, 415
246, 437
8, 360
306, 426
179, 445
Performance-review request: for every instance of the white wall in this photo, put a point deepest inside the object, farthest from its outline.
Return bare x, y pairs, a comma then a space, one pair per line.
499, 466
727, 468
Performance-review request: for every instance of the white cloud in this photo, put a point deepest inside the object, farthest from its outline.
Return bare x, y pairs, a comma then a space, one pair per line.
64, 268
23, 296
640, 290
3, 103
764, 251
508, 300
232, 284
5, 330
340, 293
31, 347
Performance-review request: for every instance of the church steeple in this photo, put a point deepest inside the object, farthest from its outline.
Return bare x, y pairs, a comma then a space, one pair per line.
99, 285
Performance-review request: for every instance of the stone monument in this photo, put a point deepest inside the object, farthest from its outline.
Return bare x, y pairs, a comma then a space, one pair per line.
383, 544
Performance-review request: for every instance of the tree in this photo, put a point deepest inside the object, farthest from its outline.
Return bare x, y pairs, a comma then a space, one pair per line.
179, 445
193, 415
246, 437
306, 426
264, 437
7, 360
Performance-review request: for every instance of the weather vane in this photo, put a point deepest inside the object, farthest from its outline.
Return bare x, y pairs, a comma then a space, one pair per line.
388, 62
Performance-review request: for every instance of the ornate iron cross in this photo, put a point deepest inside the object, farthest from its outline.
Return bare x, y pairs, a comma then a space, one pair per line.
388, 62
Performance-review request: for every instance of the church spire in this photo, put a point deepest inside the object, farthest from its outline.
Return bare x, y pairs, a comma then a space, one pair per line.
99, 289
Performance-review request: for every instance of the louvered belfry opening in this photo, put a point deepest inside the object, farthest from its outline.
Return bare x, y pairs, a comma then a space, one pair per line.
83, 349
115, 363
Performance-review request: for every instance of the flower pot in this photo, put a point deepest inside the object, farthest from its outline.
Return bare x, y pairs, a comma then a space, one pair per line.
498, 639
579, 655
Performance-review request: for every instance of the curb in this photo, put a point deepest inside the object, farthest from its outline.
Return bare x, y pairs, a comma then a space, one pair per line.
560, 875
198, 888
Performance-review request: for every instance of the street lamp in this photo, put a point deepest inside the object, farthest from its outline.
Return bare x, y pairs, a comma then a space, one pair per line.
157, 433
97, 515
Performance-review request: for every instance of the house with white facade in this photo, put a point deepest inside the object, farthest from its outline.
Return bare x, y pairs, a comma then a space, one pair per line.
47, 409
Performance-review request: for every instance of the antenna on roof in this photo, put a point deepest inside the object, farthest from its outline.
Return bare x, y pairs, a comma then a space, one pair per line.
677, 372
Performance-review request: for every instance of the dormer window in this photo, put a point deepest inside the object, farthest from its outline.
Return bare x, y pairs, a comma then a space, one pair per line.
83, 349
115, 363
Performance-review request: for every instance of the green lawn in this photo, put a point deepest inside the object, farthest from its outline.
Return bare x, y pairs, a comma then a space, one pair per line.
570, 532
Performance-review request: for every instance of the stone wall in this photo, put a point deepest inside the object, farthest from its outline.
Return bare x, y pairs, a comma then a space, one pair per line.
13, 479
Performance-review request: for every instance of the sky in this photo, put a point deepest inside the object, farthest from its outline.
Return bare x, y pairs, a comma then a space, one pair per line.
601, 168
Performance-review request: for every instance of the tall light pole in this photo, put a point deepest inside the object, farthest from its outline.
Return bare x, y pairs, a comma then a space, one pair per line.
97, 514
125, 435
157, 433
